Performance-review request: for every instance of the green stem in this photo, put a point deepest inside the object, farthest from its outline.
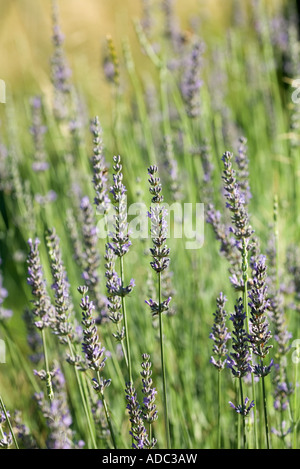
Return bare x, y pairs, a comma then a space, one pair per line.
245, 300
242, 416
9, 423
265, 409
125, 322
163, 364
295, 414
107, 416
48, 380
219, 409
83, 398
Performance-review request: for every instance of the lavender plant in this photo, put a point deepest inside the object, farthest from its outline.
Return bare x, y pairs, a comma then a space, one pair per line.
259, 332
160, 263
239, 361
94, 353
119, 244
220, 335
43, 308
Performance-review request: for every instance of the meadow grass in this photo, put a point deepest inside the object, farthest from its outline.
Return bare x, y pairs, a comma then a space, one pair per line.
116, 340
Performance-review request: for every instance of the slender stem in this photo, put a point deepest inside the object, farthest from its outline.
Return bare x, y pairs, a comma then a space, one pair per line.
83, 398
242, 416
108, 418
125, 322
163, 364
295, 413
219, 409
245, 300
265, 409
9, 423
48, 381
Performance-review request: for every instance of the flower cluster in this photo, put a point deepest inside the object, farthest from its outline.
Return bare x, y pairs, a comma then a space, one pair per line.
114, 305
192, 82
235, 201
220, 334
120, 239
57, 415
149, 406
91, 347
259, 305
242, 162
63, 305
91, 257
157, 215
37, 131
138, 430
239, 363
43, 309
100, 169
243, 409
61, 71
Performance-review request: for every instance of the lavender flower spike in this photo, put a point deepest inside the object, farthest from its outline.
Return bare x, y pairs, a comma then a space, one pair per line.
120, 239
220, 334
63, 305
100, 169
91, 346
259, 305
157, 215
149, 406
243, 409
38, 130
138, 430
239, 363
43, 308
192, 82
236, 201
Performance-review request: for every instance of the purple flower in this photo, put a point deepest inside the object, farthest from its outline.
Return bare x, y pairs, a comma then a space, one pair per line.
100, 169
235, 201
239, 360
43, 308
91, 257
63, 305
243, 409
149, 406
120, 239
138, 430
61, 71
91, 347
191, 83
37, 131
220, 334
242, 162
259, 305
57, 415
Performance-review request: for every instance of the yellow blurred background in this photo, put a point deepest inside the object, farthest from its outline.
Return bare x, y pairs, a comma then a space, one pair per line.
26, 30
25, 35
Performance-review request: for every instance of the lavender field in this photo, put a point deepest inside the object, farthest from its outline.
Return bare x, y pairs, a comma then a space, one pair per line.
150, 226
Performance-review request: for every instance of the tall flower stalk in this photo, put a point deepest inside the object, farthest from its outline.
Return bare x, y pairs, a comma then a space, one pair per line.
94, 353
149, 407
119, 245
260, 333
220, 336
160, 262
43, 308
237, 195
239, 360
63, 327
